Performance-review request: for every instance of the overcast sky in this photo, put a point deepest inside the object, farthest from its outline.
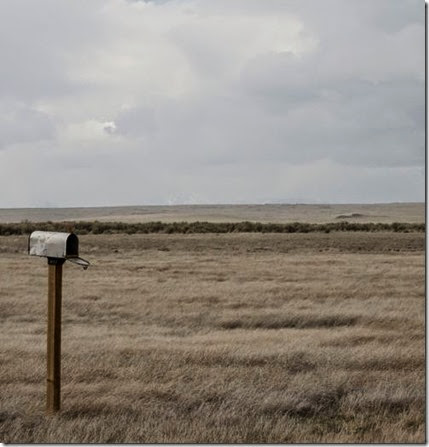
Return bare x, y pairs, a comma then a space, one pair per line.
119, 102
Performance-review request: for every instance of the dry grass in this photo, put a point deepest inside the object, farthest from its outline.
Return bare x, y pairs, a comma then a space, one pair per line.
280, 213
221, 338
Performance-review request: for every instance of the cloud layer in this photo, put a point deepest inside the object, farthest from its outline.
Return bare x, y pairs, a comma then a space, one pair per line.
114, 102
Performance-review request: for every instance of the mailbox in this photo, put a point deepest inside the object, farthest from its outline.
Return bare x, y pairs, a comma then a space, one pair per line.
56, 246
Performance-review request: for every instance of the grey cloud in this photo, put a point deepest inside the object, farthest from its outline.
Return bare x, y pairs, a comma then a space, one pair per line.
385, 15
352, 41
38, 41
19, 124
136, 122
240, 126
200, 44
334, 113
156, 2
392, 15
353, 122
299, 109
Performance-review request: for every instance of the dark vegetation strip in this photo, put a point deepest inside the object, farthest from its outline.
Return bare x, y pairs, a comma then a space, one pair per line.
294, 321
97, 227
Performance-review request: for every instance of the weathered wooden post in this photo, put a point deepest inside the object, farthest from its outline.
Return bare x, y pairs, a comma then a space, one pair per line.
55, 273
58, 248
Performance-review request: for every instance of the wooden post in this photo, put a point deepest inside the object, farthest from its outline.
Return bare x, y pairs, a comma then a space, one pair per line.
55, 272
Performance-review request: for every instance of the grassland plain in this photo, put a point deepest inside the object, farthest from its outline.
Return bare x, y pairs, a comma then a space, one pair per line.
273, 213
221, 338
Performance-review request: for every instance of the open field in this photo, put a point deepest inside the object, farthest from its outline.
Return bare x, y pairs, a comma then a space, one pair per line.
386, 213
221, 338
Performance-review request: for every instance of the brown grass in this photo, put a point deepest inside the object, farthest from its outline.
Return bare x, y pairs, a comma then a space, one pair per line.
278, 213
221, 338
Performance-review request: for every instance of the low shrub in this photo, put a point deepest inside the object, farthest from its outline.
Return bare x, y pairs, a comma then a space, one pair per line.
97, 227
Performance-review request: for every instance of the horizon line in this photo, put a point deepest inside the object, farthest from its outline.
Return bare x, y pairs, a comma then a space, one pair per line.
216, 205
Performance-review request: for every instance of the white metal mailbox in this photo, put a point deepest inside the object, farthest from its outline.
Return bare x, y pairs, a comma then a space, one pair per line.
54, 246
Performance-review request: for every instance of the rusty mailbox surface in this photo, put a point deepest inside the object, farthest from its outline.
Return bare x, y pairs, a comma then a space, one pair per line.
50, 244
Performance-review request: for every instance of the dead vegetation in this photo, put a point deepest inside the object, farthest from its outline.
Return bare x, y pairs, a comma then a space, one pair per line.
247, 338
96, 227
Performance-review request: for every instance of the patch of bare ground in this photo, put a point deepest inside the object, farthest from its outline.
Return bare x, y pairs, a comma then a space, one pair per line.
255, 338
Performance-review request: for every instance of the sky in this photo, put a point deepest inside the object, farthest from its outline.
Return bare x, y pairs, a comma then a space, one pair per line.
155, 102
